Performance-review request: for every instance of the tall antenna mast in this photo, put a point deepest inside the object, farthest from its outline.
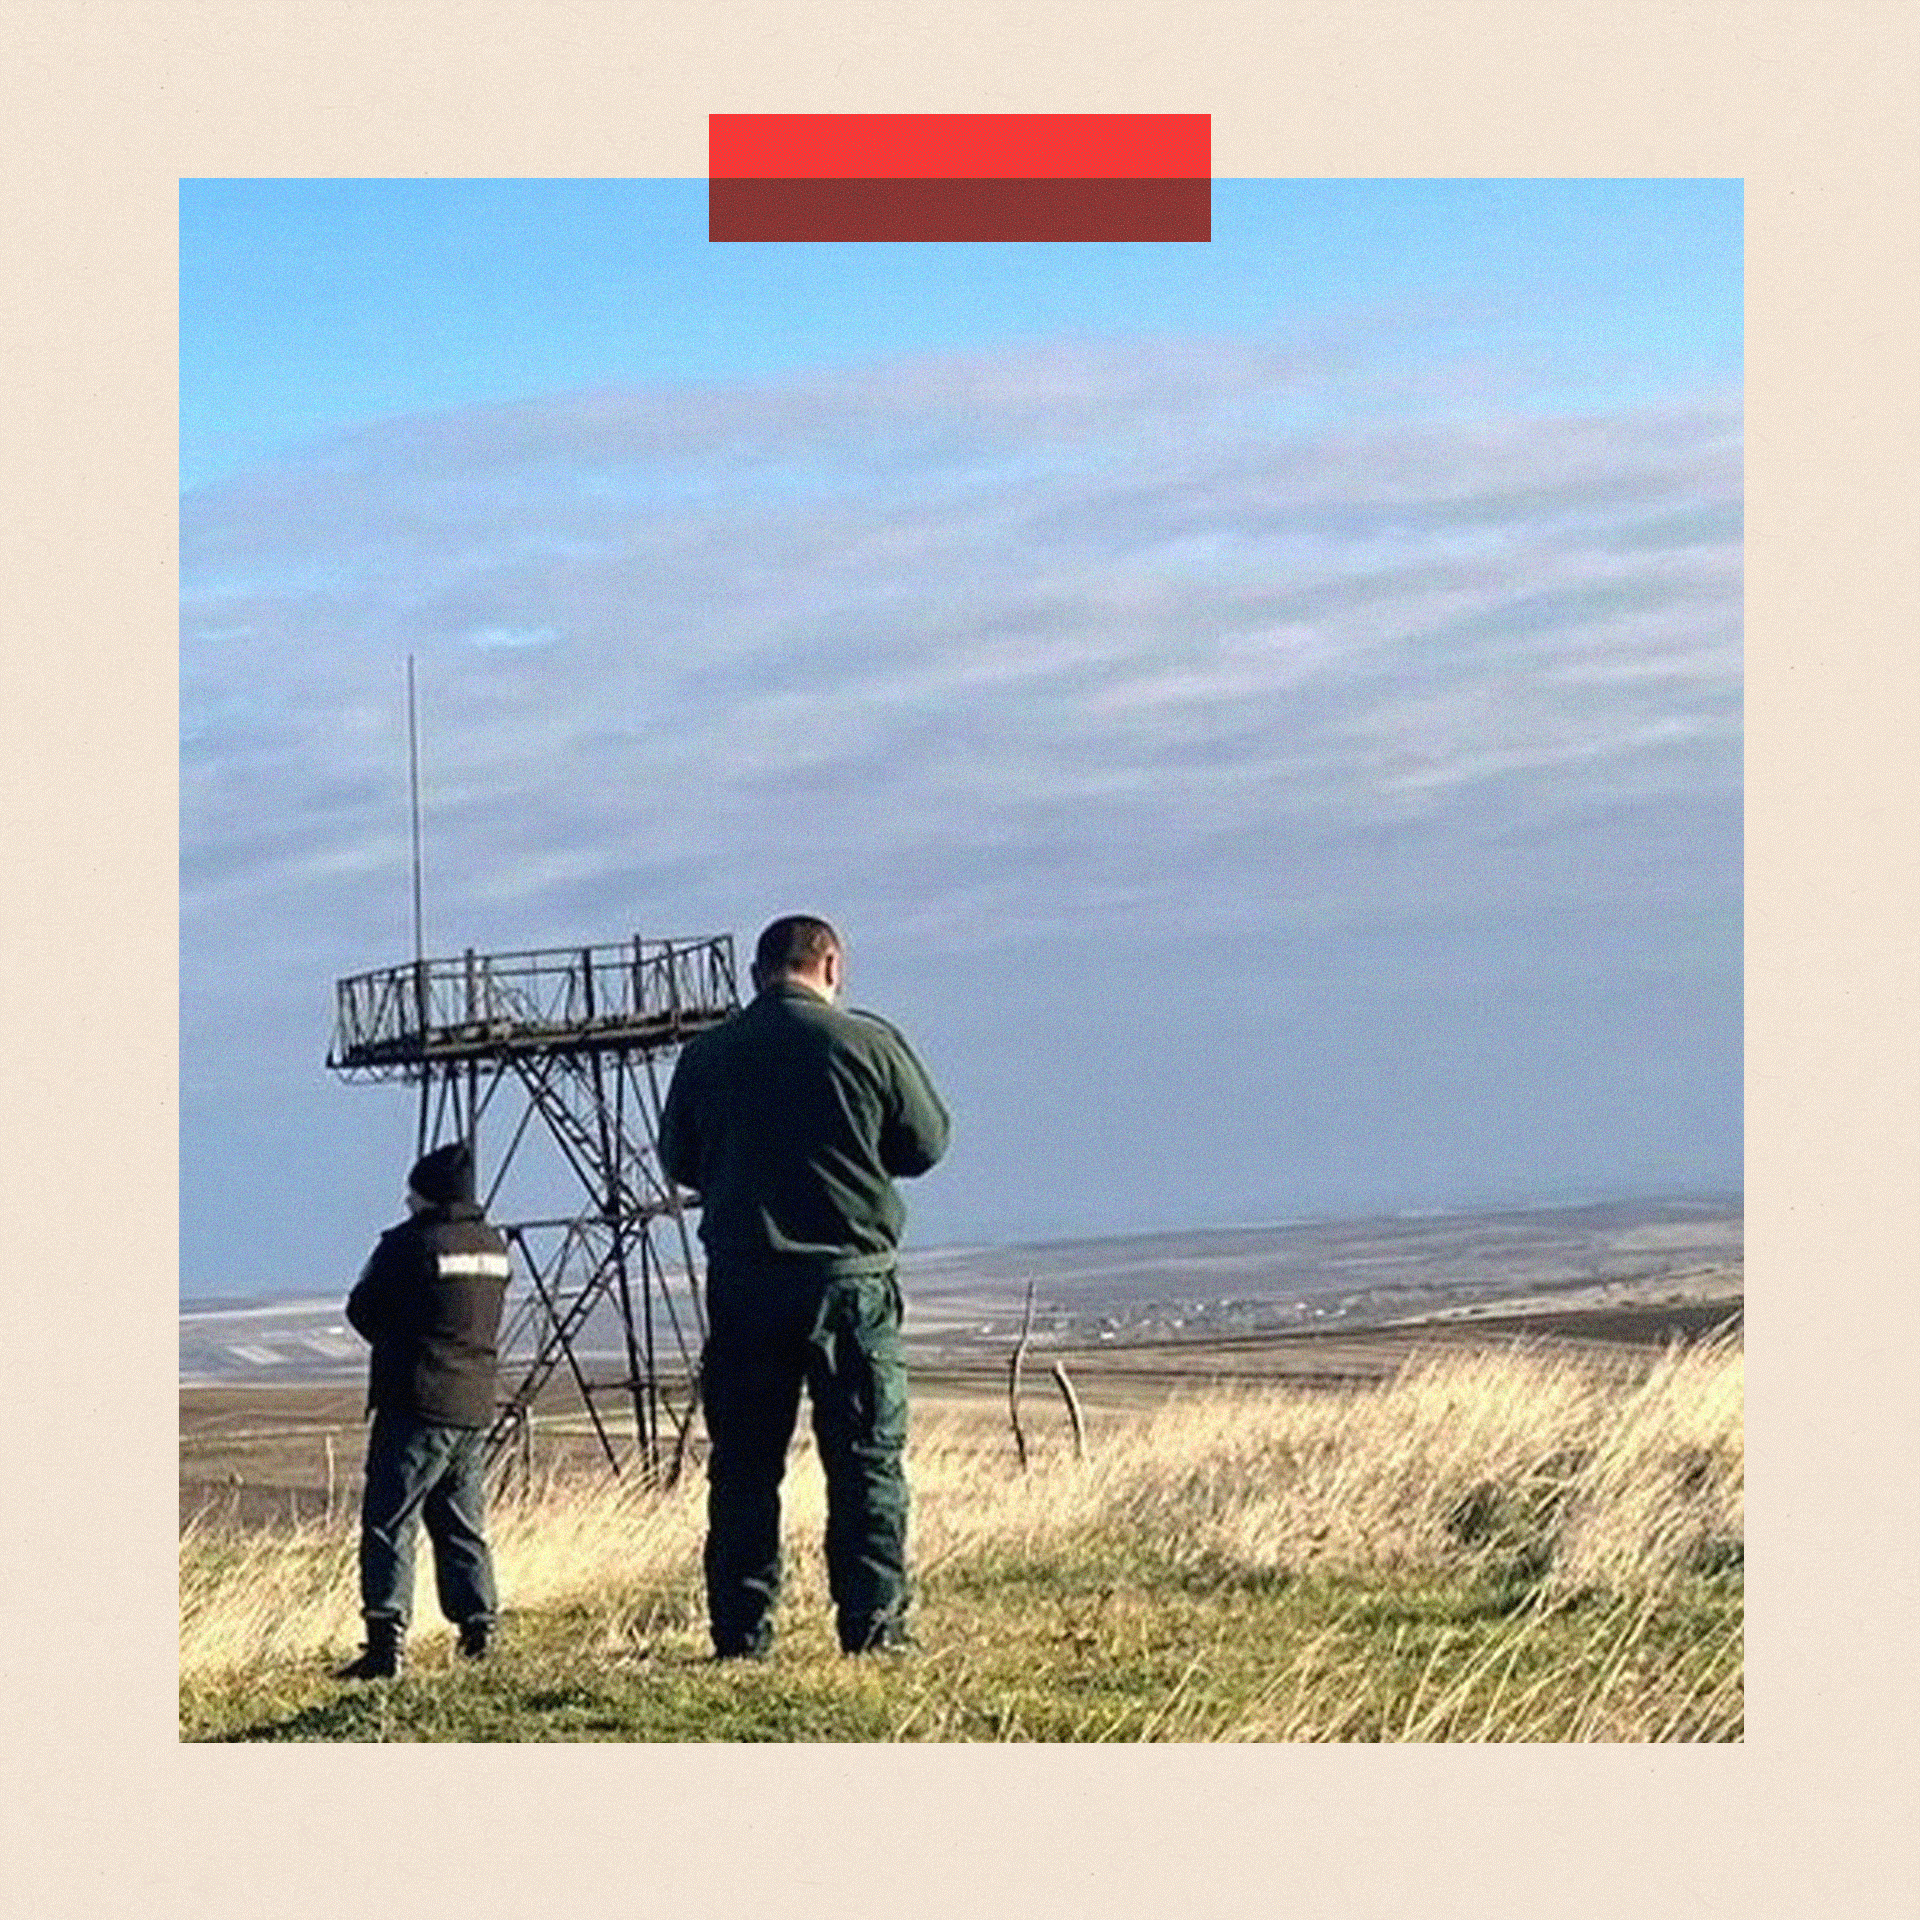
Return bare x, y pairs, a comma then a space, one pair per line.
420, 989
413, 771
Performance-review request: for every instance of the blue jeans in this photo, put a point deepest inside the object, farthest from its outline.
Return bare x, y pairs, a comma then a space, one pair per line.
420, 1471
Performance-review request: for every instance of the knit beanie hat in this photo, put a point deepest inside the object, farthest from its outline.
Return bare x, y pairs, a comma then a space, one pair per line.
445, 1175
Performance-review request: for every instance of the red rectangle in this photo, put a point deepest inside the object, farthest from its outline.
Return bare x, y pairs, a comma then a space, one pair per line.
1000, 210
959, 146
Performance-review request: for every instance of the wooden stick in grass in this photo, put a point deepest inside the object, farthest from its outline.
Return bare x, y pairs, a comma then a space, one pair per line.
1073, 1410
1013, 1378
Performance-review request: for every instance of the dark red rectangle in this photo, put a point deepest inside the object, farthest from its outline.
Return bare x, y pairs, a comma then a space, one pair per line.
830, 210
959, 146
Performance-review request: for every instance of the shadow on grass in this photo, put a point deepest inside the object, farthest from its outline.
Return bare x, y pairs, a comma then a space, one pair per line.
672, 1699
434, 1709
358, 1716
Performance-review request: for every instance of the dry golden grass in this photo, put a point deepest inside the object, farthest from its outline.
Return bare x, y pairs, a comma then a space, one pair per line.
1580, 1480
1600, 1483
255, 1597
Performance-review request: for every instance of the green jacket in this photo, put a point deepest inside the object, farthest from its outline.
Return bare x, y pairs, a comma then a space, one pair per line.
791, 1121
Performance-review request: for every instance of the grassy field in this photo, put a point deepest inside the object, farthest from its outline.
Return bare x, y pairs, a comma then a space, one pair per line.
1487, 1545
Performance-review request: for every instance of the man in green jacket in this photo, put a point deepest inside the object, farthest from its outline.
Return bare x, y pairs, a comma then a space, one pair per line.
791, 1122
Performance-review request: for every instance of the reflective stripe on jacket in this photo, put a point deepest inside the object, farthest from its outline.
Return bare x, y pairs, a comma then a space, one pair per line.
429, 1301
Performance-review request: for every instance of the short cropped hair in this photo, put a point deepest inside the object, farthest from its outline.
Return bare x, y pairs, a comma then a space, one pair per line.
795, 943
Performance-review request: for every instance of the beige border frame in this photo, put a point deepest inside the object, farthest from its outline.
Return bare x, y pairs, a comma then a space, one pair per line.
103, 1812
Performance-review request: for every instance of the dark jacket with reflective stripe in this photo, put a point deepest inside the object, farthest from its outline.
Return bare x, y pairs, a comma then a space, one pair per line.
429, 1302
791, 1121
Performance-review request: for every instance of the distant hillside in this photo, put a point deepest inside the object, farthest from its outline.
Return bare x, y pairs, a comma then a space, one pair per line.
1219, 1281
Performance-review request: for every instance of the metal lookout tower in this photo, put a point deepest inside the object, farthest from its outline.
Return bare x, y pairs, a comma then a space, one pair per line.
565, 1046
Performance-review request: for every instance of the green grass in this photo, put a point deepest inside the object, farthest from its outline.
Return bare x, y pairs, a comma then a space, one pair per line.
1069, 1650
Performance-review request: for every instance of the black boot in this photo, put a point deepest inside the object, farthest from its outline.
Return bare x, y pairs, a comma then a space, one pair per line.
384, 1655
887, 1634
476, 1636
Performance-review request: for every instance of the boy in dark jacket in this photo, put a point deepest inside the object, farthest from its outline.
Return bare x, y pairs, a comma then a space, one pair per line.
428, 1301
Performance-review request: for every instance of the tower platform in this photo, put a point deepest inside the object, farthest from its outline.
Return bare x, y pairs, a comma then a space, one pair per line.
636, 996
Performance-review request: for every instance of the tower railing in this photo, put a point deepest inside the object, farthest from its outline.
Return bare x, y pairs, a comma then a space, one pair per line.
389, 1023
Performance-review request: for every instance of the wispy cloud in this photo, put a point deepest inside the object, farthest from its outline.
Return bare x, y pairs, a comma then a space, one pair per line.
1023, 606
1279, 648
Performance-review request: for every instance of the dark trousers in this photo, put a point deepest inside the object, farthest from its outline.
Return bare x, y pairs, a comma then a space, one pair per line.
420, 1471
770, 1333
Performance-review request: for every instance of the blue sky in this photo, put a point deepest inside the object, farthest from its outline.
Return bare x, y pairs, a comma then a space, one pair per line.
1267, 714
308, 305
